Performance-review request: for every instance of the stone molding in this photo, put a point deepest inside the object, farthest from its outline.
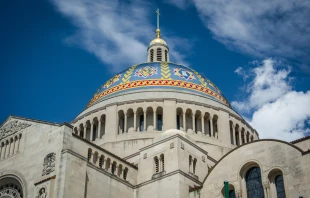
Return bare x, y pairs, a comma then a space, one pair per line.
12, 127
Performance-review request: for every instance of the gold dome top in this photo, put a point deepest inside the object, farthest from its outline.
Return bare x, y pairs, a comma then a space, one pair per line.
158, 39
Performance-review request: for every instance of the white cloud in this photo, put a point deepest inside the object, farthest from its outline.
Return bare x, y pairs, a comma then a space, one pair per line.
117, 32
278, 111
261, 28
181, 4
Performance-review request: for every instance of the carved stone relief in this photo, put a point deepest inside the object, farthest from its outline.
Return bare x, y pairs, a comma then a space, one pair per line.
12, 127
42, 190
49, 164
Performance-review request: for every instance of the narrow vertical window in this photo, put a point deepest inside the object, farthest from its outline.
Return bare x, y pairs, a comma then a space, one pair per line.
254, 185
166, 55
194, 166
159, 55
125, 173
152, 55
89, 154
141, 123
162, 160
280, 186
178, 122
156, 163
159, 122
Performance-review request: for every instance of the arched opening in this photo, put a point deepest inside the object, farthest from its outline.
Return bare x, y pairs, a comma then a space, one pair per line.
102, 122
125, 173
159, 119
179, 119
243, 135
252, 138
75, 131
95, 129
130, 120
215, 126
231, 191
162, 161
89, 154
121, 122
152, 55
194, 166
277, 187
140, 122
231, 132
159, 54
149, 119
156, 164
247, 137
113, 167
166, 55
87, 129
253, 179
11, 187
101, 161
207, 124
237, 135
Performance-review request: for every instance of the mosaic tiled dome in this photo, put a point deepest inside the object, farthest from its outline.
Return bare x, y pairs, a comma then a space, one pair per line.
158, 75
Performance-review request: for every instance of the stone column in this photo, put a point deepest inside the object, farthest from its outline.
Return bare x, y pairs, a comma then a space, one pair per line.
154, 120
1, 148
16, 145
91, 130
144, 122
85, 129
13, 147
8, 146
234, 135
5, 149
99, 128
193, 123
245, 140
125, 124
240, 138
184, 122
202, 125
135, 121
211, 126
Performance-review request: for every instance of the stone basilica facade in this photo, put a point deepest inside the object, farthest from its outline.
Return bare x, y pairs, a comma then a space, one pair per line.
157, 129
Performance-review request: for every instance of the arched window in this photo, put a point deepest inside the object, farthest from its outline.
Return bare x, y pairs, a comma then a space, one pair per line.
113, 168
159, 56
125, 173
232, 194
194, 165
89, 154
156, 163
166, 55
252, 138
152, 55
141, 122
162, 160
11, 187
159, 122
178, 122
190, 163
107, 164
280, 186
254, 185
101, 161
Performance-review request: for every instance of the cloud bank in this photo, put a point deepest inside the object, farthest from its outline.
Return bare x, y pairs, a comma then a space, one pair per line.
117, 32
262, 28
279, 112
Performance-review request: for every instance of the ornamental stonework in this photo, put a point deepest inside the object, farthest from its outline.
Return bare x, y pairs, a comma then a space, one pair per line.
49, 164
12, 127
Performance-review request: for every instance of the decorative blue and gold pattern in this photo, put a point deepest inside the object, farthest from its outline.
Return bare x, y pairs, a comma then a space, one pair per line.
146, 71
158, 75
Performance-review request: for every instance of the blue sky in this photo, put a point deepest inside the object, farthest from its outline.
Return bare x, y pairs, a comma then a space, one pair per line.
56, 53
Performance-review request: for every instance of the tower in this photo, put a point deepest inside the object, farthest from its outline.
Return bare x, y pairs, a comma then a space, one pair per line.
158, 50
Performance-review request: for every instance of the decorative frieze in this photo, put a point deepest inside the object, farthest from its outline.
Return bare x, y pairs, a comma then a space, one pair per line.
12, 127
49, 164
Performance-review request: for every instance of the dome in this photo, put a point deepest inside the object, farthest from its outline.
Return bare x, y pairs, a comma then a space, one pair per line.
158, 75
158, 41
